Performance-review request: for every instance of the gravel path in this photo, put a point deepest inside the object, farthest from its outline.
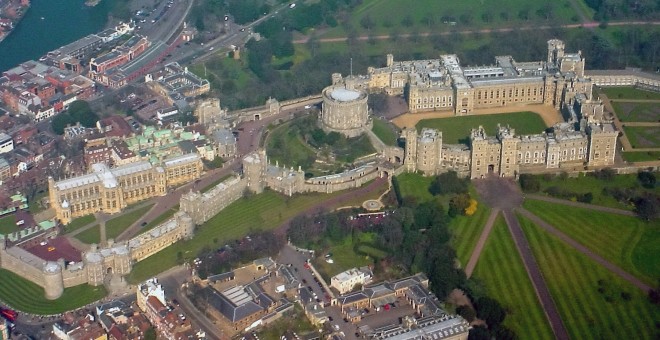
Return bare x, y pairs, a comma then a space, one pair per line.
580, 205
584, 250
472, 263
542, 291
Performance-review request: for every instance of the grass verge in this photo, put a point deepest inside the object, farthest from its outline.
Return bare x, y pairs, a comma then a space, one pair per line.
28, 297
592, 302
501, 270
614, 237
260, 212
466, 231
79, 223
385, 132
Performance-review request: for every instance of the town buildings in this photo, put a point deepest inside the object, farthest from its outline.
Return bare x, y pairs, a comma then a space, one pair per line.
349, 279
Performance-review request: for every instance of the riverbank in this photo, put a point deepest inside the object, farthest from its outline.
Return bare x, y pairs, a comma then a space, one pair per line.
13, 12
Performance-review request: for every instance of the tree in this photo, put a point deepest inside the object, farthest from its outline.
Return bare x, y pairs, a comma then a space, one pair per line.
150, 334
80, 111
489, 310
367, 22
466, 312
646, 179
529, 183
447, 183
479, 333
458, 205
648, 207
407, 21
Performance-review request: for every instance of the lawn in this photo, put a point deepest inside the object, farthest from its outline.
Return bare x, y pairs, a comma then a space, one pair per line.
345, 256
26, 296
592, 302
643, 156
259, 212
117, 225
617, 238
637, 112
79, 223
457, 129
584, 184
160, 219
643, 136
385, 132
466, 231
415, 185
385, 16
8, 224
629, 93
501, 270
91, 235
287, 148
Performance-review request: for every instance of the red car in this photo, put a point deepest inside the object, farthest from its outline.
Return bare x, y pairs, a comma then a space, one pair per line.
8, 314
306, 265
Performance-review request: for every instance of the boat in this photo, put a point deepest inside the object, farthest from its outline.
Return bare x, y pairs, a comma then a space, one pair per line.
92, 3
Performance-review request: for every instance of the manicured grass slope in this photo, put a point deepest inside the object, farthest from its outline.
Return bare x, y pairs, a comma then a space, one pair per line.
614, 237
79, 223
466, 231
573, 280
415, 185
457, 129
385, 132
28, 297
501, 270
641, 156
259, 212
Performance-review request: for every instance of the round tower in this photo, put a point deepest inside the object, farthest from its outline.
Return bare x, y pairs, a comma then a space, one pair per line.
94, 264
53, 282
345, 111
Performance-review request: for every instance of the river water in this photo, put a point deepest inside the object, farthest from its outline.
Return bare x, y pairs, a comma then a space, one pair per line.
49, 24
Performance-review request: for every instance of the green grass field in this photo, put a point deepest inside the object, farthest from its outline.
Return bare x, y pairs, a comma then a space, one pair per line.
345, 257
584, 184
644, 156
260, 212
384, 16
91, 235
457, 129
614, 237
385, 132
637, 112
629, 93
117, 225
466, 230
643, 136
501, 270
8, 224
28, 297
589, 298
79, 223
160, 219
415, 185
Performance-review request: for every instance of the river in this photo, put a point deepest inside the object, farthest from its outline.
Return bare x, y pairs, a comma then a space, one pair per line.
49, 24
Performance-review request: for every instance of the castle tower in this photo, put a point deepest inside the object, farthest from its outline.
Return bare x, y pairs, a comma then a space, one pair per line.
602, 144
53, 282
254, 170
429, 151
185, 222
94, 264
345, 110
390, 60
485, 154
337, 79
509, 153
410, 156
555, 51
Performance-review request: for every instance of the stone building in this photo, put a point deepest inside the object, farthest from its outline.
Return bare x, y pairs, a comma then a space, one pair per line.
112, 189
443, 84
345, 111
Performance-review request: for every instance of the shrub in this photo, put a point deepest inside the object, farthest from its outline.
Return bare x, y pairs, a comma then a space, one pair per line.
530, 183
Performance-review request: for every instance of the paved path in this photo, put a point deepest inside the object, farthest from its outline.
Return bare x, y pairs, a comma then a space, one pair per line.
472, 263
584, 250
542, 291
486, 30
643, 124
580, 205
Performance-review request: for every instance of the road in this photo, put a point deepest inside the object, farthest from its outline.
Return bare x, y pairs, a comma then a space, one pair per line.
534, 272
476, 253
486, 30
